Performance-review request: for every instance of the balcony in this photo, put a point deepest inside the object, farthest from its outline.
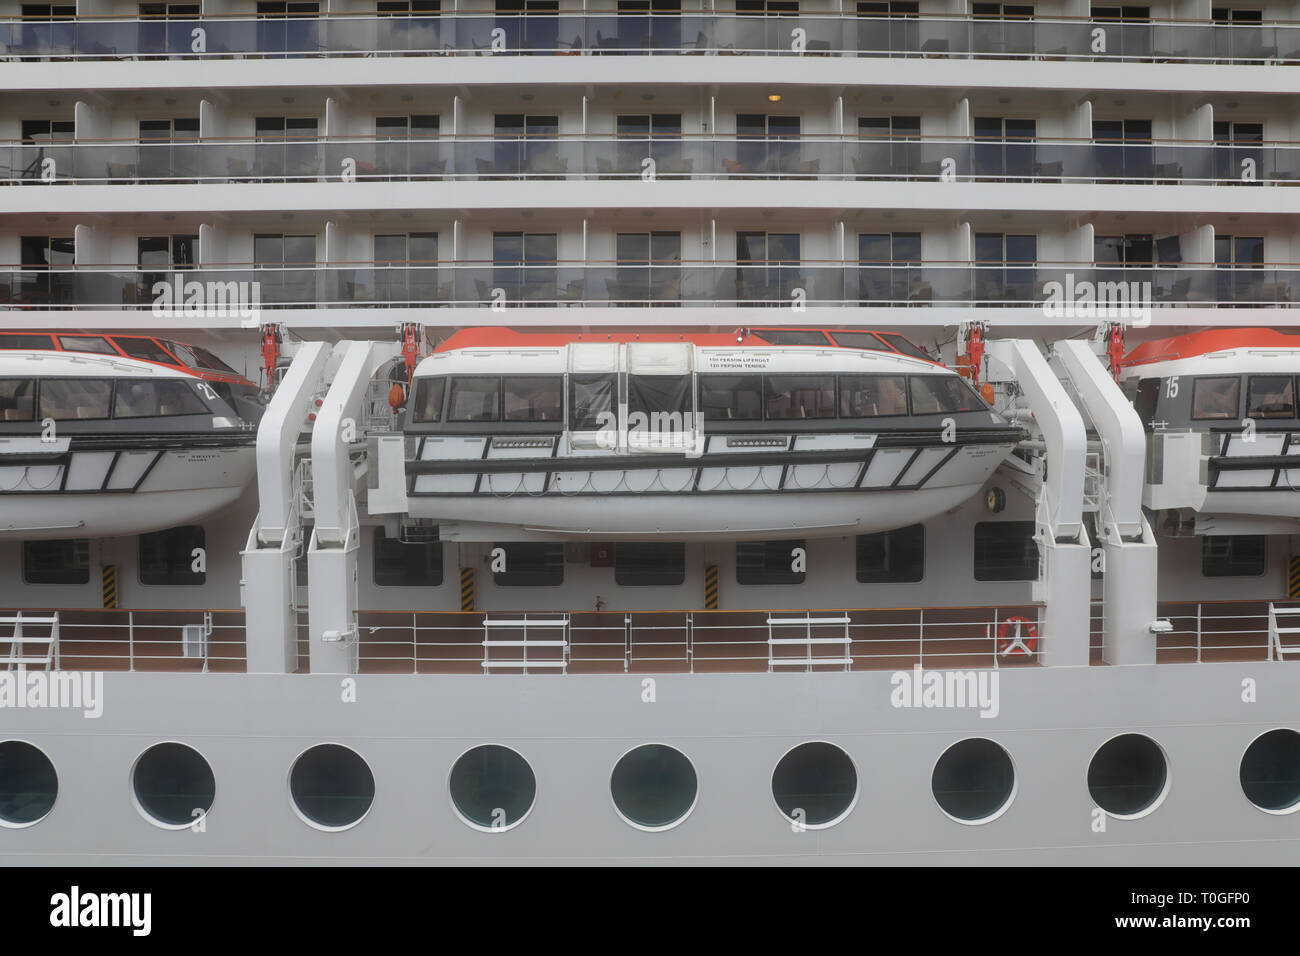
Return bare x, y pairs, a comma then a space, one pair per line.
824, 284
809, 157
488, 34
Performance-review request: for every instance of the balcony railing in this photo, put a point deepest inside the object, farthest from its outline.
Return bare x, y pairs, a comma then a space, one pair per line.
805, 35
687, 157
811, 283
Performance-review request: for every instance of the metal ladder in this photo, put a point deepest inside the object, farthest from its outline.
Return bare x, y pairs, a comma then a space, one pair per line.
18, 641
1279, 649
547, 625
807, 642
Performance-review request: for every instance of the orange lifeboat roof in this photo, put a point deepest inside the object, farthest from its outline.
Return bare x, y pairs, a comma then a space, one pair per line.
1210, 340
500, 337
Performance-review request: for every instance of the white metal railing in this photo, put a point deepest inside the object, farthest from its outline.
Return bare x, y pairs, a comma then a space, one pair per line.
554, 644
19, 639
131, 640
807, 642
1280, 648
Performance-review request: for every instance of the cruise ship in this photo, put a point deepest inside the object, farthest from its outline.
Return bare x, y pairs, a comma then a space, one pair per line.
762, 432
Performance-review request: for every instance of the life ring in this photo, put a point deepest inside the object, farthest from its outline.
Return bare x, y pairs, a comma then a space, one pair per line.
1017, 635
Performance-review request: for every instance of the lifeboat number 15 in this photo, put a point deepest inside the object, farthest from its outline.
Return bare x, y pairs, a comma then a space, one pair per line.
1171, 387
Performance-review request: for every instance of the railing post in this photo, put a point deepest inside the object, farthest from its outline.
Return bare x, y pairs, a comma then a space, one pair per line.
130, 639
415, 644
1198, 632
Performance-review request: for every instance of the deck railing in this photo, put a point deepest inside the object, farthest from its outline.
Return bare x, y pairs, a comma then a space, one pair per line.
829, 35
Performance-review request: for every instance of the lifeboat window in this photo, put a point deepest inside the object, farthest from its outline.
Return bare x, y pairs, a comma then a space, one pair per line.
1005, 551
427, 406
17, 399
940, 394
170, 557
790, 336
1270, 396
66, 399
26, 342
892, 557
1216, 398
1233, 555
1270, 771
869, 396
731, 397
153, 398
769, 562
800, 396
28, 784
147, 350
183, 353
87, 343
638, 564
401, 565
905, 345
65, 561
651, 394
532, 398
860, 340
209, 361
528, 564
474, 400
589, 397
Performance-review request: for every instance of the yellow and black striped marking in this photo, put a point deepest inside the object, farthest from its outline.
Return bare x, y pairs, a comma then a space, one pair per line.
710, 587
110, 585
467, 589
1293, 577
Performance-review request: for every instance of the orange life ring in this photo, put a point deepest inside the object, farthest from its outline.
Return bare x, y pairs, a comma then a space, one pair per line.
1017, 635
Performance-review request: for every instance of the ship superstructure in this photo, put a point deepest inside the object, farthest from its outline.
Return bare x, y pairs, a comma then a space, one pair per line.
522, 431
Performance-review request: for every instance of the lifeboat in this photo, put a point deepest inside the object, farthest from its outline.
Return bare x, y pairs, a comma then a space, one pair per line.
1220, 409
762, 433
95, 445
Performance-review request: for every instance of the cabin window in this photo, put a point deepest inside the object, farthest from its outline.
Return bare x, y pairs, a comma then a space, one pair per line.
532, 398
530, 564
860, 340
1005, 551
96, 344
1233, 555
146, 350
590, 397
904, 345
1270, 396
66, 561
1216, 398
731, 397
939, 394
26, 342
657, 394
869, 396
800, 396
170, 557
891, 557
17, 399
151, 398
769, 562
428, 399
638, 564
474, 400
75, 398
401, 565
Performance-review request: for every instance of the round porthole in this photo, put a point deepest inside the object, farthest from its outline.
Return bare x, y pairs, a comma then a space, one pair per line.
1128, 776
173, 785
974, 781
28, 784
1270, 771
815, 784
492, 788
331, 787
654, 787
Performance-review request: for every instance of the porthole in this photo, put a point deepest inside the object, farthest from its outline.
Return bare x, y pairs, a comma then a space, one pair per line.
974, 781
331, 787
1270, 771
173, 785
28, 784
1128, 776
492, 788
815, 784
654, 787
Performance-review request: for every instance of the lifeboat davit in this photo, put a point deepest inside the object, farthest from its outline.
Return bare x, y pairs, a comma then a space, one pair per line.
1224, 428
100, 445
753, 434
